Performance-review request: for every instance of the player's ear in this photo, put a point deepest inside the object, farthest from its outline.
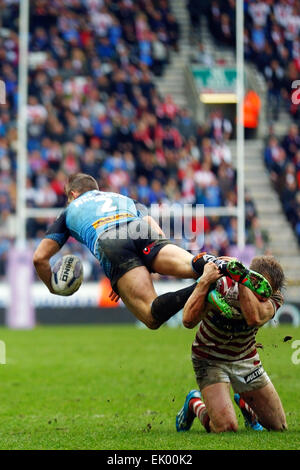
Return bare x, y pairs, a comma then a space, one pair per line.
73, 195
70, 197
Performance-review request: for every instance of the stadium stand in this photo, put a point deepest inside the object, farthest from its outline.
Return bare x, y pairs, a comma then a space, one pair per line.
282, 158
271, 42
93, 107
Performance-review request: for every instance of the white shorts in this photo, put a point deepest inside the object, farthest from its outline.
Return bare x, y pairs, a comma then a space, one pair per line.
244, 375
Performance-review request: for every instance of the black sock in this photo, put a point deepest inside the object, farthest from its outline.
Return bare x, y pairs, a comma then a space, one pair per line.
167, 305
199, 261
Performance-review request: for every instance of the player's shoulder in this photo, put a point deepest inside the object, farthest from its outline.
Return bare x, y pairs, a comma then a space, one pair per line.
60, 218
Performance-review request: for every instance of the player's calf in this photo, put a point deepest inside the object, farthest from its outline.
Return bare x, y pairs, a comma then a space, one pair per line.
167, 305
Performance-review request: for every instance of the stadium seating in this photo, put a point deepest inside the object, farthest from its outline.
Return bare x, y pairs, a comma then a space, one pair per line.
272, 43
282, 158
93, 107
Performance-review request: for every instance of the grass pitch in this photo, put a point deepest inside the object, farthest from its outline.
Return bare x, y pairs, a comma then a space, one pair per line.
120, 387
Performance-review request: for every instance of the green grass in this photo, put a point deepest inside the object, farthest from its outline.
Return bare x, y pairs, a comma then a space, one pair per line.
120, 387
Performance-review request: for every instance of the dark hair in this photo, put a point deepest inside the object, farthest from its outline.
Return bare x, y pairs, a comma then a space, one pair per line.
81, 183
271, 269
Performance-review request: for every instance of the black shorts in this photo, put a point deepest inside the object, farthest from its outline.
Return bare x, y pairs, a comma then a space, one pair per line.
128, 246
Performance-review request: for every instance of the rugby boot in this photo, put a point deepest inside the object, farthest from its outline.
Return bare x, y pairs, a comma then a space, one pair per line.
250, 417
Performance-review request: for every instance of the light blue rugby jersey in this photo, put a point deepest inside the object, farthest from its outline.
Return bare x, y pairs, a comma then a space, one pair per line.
89, 215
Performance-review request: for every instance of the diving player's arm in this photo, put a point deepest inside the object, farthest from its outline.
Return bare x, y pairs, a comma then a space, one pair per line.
56, 236
153, 224
46, 249
143, 213
195, 308
255, 311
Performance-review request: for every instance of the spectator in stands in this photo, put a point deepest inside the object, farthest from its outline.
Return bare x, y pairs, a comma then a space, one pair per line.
186, 124
173, 29
252, 105
220, 127
291, 142
258, 237
197, 9
258, 12
200, 55
274, 74
220, 152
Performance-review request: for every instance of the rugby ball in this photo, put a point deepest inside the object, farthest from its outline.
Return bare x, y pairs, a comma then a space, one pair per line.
67, 275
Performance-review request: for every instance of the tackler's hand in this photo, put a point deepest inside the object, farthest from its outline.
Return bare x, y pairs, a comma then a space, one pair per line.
211, 272
114, 297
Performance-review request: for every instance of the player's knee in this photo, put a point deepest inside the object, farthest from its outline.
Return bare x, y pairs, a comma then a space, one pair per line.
229, 425
152, 324
280, 426
188, 323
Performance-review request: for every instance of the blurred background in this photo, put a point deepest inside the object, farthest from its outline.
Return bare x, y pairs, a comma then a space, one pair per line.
144, 96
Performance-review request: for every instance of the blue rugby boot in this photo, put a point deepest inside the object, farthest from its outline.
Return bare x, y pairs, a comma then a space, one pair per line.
249, 416
185, 417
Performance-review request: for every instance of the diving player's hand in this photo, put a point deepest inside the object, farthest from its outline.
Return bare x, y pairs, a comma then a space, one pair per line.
113, 296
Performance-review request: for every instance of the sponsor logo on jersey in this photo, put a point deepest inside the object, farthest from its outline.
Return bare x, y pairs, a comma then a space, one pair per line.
148, 248
111, 218
254, 374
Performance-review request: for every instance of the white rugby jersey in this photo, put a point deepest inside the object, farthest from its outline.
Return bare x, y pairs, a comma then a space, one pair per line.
220, 338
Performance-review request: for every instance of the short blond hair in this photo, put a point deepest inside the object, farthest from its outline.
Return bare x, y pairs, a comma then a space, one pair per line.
271, 269
80, 182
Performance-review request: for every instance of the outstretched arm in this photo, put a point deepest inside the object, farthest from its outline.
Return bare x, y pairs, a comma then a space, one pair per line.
143, 212
194, 309
46, 249
154, 225
56, 235
255, 312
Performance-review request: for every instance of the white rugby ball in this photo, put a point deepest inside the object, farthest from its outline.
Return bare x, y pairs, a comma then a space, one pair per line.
67, 275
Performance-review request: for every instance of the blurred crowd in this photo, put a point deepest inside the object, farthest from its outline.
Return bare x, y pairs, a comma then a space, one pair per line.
282, 158
271, 40
272, 43
93, 107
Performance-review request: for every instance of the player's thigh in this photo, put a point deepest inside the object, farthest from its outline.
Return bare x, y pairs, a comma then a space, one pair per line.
267, 405
173, 260
219, 407
137, 292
